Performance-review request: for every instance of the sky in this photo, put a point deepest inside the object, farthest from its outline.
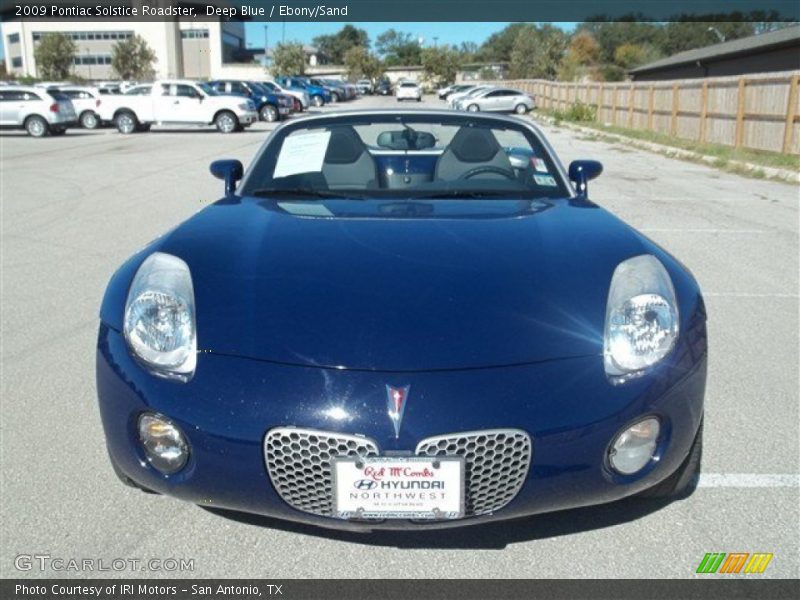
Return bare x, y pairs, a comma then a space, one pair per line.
447, 33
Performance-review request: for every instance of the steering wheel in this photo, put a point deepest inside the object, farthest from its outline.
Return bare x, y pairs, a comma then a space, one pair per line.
507, 173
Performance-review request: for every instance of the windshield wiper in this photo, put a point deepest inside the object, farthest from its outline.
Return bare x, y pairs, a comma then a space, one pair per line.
302, 193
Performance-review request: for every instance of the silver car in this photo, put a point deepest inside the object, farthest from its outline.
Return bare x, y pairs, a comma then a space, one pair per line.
498, 100
38, 111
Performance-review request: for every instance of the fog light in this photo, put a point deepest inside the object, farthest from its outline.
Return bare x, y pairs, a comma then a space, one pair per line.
163, 443
633, 448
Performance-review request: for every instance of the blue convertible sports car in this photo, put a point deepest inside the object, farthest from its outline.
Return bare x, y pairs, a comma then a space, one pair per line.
403, 320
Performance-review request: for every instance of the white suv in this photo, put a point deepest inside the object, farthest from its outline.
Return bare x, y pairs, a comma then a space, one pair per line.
408, 90
36, 110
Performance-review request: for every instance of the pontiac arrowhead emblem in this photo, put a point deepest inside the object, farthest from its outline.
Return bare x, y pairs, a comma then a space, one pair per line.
396, 404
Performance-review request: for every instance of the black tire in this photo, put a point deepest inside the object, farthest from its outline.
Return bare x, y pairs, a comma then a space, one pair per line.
89, 120
226, 122
269, 113
334, 97
520, 109
58, 130
36, 126
317, 100
126, 122
144, 127
473, 108
683, 482
419, 99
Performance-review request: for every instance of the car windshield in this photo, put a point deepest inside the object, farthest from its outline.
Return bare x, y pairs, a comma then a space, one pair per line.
415, 155
409, 84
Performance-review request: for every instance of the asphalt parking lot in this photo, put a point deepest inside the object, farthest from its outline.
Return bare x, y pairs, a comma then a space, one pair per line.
74, 207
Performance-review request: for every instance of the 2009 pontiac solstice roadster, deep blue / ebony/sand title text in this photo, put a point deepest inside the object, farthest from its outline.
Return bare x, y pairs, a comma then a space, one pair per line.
400, 320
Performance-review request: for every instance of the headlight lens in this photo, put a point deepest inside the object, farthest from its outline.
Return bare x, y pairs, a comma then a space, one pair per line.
641, 317
163, 443
160, 317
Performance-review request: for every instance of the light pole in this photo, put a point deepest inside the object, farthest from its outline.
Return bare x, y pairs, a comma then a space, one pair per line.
435, 41
266, 44
88, 62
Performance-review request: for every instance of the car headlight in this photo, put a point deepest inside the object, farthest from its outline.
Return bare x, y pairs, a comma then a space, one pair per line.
641, 317
159, 321
247, 106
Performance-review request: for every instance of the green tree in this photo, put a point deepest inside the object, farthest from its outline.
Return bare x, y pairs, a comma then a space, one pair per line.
537, 52
360, 63
500, 44
288, 59
441, 64
133, 59
55, 54
332, 48
679, 36
610, 35
629, 56
398, 48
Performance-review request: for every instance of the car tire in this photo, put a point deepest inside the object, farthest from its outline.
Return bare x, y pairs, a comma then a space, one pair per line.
334, 97
226, 122
473, 108
419, 99
269, 113
58, 130
683, 482
143, 127
126, 122
317, 100
89, 120
36, 126
520, 109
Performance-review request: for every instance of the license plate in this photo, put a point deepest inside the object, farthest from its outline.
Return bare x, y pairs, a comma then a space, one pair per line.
411, 487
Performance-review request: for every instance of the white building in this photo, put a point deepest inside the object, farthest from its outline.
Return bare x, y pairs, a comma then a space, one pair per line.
188, 48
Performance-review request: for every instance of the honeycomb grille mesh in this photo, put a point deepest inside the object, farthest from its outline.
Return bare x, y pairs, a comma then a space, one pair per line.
299, 464
496, 464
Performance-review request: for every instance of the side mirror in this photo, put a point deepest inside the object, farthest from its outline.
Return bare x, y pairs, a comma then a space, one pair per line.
581, 172
230, 171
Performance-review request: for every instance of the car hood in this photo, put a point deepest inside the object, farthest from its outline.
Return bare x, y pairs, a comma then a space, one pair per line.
402, 286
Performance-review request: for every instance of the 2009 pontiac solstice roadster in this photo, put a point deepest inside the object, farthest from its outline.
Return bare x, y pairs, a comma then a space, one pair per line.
403, 320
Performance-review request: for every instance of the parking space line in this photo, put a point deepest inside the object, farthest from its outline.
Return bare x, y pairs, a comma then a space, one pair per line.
748, 480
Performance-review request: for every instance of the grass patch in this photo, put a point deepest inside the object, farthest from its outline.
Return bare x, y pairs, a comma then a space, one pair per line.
723, 154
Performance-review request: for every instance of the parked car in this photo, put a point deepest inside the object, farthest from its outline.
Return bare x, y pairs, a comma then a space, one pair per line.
86, 101
271, 106
365, 86
299, 93
455, 98
498, 100
36, 110
335, 89
453, 89
318, 95
178, 102
384, 88
546, 355
408, 90
141, 89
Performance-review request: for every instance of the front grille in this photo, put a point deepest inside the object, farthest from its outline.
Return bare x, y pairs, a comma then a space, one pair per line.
299, 464
496, 464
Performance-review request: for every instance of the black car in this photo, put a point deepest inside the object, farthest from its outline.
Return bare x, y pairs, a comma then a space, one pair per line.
384, 88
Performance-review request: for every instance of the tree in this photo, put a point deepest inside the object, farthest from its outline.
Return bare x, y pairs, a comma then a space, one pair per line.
687, 35
332, 48
537, 52
441, 64
398, 48
611, 35
582, 53
629, 56
360, 63
55, 55
133, 59
288, 59
500, 44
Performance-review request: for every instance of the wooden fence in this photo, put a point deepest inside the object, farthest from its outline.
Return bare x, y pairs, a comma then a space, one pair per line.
761, 112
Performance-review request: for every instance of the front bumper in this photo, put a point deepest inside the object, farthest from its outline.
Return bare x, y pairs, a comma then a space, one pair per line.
569, 409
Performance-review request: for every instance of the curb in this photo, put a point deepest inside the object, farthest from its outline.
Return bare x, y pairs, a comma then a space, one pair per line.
785, 175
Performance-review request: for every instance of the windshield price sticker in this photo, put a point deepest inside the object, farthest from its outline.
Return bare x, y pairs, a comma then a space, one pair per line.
302, 153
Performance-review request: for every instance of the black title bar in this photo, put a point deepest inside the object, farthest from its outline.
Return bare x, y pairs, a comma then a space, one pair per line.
401, 10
